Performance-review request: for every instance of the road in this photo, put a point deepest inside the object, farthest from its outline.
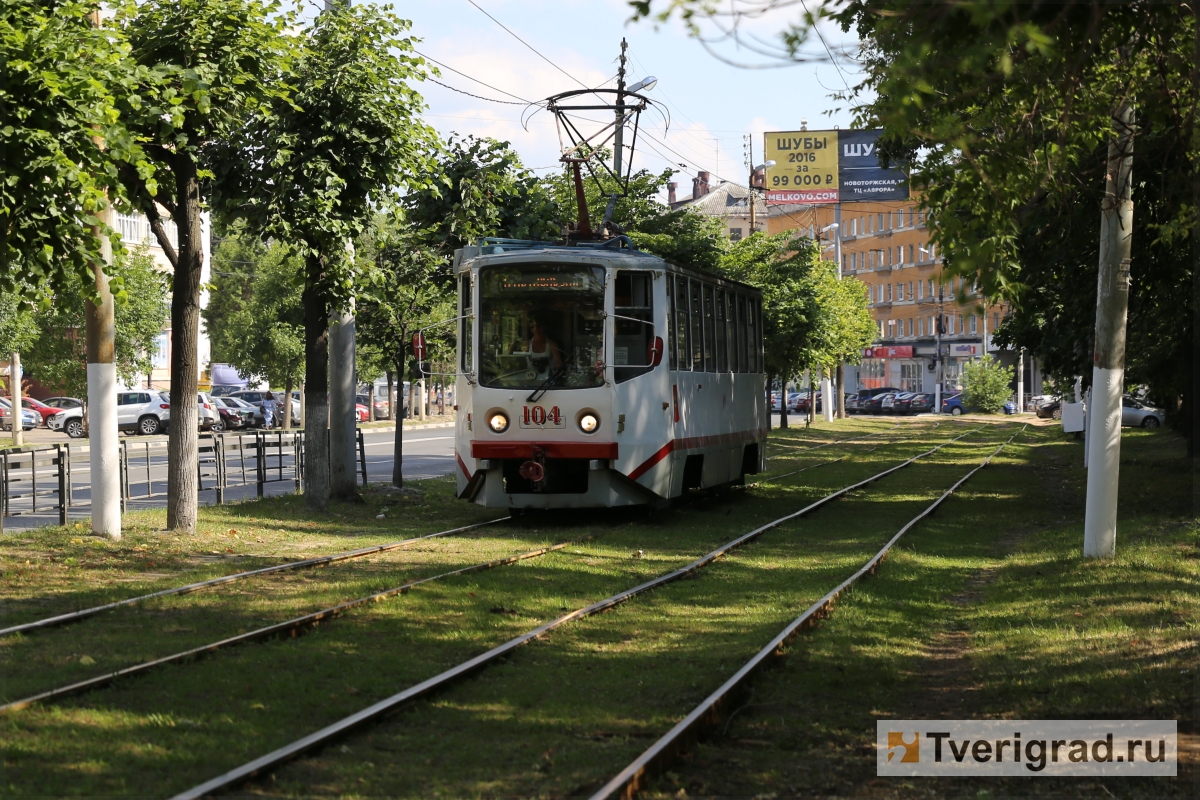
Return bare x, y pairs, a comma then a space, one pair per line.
428, 453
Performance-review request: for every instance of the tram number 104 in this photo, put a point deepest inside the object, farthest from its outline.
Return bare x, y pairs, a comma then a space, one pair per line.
538, 417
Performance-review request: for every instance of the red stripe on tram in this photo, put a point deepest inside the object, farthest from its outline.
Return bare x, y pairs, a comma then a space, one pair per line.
693, 443
461, 465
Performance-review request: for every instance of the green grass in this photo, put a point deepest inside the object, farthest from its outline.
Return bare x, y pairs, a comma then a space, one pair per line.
559, 716
996, 578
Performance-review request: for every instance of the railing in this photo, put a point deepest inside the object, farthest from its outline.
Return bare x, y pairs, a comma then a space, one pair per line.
29, 475
20, 471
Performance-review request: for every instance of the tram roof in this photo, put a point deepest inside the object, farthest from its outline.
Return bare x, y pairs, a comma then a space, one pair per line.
489, 246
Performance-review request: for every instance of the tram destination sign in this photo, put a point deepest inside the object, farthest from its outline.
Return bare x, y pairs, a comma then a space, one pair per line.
564, 281
841, 166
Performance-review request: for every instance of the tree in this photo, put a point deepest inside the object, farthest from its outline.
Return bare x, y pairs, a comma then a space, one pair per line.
57, 104
265, 338
57, 356
235, 258
986, 384
207, 65
325, 159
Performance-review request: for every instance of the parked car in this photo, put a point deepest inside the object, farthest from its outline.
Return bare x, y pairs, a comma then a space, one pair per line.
236, 414
63, 402
852, 403
255, 398
220, 390
144, 412
39, 408
68, 420
362, 413
1136, 414
209, 419
1051, 409
29, 419
920, 403
901, 401
953, 405
887, 401
874, 405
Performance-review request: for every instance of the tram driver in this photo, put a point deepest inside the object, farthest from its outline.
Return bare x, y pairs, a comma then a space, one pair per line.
543, 352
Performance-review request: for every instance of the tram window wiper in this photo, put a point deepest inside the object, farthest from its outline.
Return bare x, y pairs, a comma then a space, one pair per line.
555, 374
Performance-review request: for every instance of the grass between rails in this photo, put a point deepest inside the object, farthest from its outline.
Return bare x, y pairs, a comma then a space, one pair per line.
186, 723
988, 610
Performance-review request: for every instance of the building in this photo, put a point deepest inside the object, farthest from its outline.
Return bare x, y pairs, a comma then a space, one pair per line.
885, 245
729, 202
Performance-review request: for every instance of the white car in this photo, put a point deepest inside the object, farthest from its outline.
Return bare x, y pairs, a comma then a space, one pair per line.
1135, 414
209, 417
144, 412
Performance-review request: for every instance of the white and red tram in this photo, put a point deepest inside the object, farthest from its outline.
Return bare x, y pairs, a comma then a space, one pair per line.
597, 375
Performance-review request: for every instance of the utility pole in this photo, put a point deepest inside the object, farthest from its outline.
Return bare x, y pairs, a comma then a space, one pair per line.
618, 136
840, 406
1108, 358
14, 394
343, 481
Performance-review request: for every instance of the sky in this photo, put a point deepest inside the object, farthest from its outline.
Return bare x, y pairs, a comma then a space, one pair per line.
711, 104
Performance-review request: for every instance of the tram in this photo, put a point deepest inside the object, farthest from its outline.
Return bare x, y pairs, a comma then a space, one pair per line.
595, 375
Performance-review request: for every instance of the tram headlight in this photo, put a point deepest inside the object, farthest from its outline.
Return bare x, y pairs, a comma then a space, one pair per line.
498, 422
588, 423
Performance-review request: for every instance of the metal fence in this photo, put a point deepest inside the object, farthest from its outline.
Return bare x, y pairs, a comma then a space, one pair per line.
31, 476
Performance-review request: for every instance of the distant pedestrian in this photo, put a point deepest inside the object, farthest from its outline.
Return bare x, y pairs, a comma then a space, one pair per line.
269, 404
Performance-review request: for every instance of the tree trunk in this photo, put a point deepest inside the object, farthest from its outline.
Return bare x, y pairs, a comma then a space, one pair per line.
343, 414
783, 409
812, 401
841, 391
288, 386
182, 491
1108, 358
391, 396
316, 387
398, 450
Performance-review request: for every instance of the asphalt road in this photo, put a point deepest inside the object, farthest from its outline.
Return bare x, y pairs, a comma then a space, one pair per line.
427, 453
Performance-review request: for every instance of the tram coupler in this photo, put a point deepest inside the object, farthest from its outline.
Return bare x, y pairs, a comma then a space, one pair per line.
534, 470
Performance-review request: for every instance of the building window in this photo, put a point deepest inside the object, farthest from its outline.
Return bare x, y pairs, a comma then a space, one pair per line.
889, 292
891, 329
921, 326
911, 253
910, 291
735, 234
995, 320
162, 354
879, 222
974, 324
910, 377
910, 327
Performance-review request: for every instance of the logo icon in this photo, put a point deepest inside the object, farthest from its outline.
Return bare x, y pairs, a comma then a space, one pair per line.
912, 750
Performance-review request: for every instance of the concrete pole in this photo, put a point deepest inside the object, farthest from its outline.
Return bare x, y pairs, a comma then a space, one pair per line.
343, 481
1108, 359
422, 397
103, 446
840, 406
14, 394
828, 402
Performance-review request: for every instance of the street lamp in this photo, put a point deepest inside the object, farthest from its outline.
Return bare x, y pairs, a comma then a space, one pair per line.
644, 85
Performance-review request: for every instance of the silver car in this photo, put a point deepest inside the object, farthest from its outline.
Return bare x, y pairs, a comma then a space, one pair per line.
1135, 414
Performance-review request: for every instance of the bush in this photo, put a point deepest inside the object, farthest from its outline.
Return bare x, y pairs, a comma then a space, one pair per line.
986, 384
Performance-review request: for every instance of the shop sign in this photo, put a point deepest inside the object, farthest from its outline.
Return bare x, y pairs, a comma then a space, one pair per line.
899, 351
964, 349
840, 166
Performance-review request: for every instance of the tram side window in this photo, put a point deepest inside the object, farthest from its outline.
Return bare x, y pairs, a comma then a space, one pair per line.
672, 353
710, 332
633, 298
752, 335
697, 339
465, 324
743, 362
731, 331
722, 341
683, 350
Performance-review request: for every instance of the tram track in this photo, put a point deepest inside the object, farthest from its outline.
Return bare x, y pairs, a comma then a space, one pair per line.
297, 625
629, 781
469, 667
76, 616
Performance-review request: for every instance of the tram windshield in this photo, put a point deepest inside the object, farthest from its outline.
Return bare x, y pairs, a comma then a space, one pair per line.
541, 325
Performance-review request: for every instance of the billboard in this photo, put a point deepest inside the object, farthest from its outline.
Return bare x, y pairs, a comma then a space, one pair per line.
829, 167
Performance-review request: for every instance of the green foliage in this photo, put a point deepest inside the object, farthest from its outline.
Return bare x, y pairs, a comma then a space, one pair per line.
57, 358
258, 328
327, 156
986, 384
682, 236
811, 319
61, 76
18, 324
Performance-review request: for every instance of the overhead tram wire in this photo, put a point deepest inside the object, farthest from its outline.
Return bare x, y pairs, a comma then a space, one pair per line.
476, 96
468, 77
527, 44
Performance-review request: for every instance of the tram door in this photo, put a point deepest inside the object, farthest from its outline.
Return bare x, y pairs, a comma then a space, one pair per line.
637, 352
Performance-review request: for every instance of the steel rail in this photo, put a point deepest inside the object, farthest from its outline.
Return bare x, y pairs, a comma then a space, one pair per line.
830, 444
294, 626
633, 778
74, 616
343, 726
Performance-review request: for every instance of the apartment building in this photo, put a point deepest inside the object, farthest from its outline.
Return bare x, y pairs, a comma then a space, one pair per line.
885, 246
